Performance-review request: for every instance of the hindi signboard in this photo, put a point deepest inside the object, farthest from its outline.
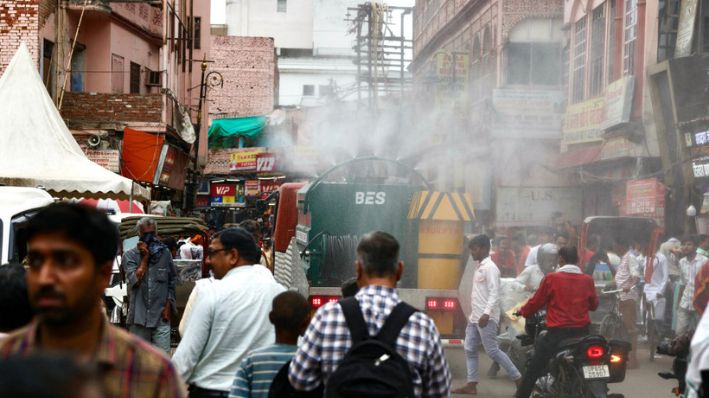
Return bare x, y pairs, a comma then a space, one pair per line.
106, 158
528, 206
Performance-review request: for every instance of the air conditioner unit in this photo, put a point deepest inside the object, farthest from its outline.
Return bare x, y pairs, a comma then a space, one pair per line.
154, 78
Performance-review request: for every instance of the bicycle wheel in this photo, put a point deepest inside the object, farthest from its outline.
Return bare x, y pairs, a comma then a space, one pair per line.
612, 328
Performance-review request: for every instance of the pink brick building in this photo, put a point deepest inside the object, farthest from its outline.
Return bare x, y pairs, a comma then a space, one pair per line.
118, 67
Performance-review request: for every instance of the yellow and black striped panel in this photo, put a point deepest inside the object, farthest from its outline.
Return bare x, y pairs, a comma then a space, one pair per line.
442, 206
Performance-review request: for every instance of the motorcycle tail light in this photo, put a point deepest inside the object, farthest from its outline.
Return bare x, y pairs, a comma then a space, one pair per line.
595, 352
615, 358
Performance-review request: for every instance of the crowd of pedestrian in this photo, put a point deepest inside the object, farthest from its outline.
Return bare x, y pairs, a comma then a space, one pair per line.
244, 335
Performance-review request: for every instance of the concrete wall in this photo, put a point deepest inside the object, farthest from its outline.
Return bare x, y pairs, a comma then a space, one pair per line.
19, 21
259, 18
126, 44
330, 30
248, 65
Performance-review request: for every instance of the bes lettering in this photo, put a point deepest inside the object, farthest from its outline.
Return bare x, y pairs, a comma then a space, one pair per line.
370, 198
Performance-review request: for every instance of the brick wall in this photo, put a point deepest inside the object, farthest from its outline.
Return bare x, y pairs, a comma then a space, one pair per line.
248, 65
92, 107
19, 21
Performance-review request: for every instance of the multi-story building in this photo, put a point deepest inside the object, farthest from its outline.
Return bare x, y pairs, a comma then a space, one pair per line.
609, 141
491, 71
314, 47
124, 75
678, 83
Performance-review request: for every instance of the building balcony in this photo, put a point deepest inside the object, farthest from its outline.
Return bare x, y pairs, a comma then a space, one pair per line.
108, 111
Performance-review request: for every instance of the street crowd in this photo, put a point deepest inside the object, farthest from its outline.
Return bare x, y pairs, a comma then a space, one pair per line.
245, 335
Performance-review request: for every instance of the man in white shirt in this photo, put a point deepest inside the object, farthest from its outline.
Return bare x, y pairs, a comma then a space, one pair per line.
482, 323
655, 290
544, 237
229, 319
547, 259
689, 266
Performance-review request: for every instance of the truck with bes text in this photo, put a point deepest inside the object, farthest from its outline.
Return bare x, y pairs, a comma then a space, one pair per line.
319, 224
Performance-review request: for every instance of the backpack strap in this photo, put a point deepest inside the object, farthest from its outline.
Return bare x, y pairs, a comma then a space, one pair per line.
355, 319
396, 321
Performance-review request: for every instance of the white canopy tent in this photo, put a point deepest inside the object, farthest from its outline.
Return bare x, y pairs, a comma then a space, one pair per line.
36, 147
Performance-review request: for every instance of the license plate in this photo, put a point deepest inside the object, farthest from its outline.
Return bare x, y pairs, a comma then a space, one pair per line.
596, 372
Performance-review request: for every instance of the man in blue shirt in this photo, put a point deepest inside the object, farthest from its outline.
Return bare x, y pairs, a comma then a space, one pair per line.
290, 316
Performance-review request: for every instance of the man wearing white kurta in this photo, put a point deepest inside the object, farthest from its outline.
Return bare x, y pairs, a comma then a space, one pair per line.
482, 323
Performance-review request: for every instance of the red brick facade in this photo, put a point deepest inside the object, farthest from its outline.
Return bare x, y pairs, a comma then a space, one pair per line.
248, 65
98, 107
19, 21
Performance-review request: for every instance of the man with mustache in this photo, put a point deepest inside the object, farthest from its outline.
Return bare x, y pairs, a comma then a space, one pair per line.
70, 251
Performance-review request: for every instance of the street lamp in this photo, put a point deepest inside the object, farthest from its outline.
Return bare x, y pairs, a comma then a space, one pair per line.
212, 79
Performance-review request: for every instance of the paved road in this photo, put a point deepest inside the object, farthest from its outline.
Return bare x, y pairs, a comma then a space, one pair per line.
641, 383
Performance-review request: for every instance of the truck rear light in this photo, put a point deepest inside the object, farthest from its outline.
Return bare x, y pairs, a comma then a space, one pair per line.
441, 303
595, 352
318, 301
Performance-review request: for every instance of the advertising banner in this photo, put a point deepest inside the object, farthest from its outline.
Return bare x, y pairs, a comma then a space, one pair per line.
245, 159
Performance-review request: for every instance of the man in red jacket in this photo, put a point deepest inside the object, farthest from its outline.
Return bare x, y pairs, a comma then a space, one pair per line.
568, 295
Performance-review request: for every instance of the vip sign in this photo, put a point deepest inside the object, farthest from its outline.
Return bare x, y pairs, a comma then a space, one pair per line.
370, 198
265, 162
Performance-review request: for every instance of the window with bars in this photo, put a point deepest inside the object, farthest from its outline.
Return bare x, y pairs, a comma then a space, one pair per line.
630, 34
667, 32
612, 41
579, 61
308, 90
598, 42
281, 6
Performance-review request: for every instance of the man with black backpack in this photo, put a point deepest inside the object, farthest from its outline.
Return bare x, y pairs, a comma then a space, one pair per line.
372, 344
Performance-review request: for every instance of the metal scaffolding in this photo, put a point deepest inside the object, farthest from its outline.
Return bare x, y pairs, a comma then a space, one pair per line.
381, 55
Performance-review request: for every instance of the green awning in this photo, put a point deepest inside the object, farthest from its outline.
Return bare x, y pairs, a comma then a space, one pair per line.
225, 133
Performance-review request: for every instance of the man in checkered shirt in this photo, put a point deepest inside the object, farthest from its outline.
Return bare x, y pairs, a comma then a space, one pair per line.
327, 339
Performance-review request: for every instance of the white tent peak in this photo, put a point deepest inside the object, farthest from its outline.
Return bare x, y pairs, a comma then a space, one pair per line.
36, 147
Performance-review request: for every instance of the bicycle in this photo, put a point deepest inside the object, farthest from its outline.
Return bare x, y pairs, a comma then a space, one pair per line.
612, 326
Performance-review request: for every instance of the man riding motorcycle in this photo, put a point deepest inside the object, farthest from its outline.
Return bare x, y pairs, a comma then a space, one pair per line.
569, 295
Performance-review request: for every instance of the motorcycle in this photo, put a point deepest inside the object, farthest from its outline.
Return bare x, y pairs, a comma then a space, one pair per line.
582, 367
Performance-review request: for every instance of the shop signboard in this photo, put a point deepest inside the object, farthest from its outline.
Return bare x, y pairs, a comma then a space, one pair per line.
700, 167
265, 162
244, 159
106, 158
251, 187
223, 194
645, 198
529, 113
586, 121
619, 101
529, 206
